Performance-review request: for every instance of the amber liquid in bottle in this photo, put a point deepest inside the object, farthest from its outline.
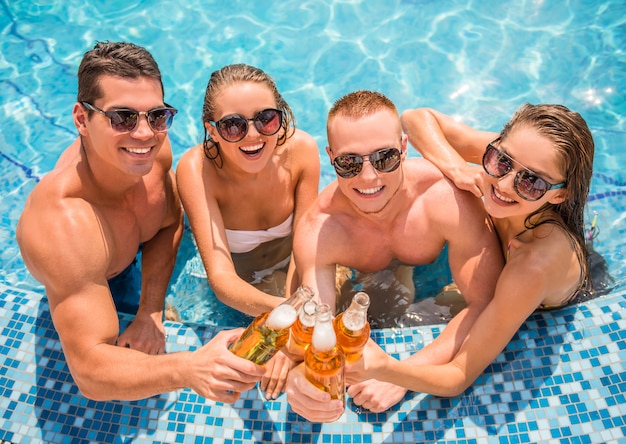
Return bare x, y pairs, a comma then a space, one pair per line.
259, 342
352, 328
269, 332
324, 362
302, 329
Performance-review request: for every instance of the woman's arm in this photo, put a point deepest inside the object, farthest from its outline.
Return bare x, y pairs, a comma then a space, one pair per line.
207, 225
523, 284
448, 144
305, 155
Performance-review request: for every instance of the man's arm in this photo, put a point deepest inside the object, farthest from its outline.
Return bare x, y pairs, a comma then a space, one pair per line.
314, 251
517, 296
158, 258
64, 248
475, 260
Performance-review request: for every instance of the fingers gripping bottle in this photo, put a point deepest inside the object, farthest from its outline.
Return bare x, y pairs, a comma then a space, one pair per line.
269, 332
302, 329
324, 361
352, 328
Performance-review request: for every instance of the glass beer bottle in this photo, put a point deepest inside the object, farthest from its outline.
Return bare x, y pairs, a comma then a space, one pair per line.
302, 329
269, 332
324, 361
352, 328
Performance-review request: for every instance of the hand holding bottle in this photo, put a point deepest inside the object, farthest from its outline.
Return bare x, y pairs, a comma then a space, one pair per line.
269, 332
309, 401
220, 376
372, 361
275, 378
324, 361
365, 388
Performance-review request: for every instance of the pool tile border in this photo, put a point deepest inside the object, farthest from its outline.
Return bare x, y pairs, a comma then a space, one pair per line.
561, 379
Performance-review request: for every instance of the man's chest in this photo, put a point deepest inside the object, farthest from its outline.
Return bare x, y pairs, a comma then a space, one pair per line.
376, 251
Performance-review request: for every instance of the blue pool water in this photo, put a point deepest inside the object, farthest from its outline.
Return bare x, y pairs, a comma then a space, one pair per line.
563, 376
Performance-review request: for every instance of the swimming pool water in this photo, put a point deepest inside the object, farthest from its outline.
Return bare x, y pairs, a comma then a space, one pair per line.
563, 376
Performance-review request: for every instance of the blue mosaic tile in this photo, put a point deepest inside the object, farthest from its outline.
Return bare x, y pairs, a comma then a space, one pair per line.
561, 379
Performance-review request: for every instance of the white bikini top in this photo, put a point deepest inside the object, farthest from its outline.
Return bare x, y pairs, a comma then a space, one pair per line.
241, 241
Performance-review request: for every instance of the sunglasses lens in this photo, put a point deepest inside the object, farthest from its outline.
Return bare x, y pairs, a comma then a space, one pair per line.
386, 160
268, 122
233, 128
495, 162
348, 165
123, 121
530, 186
160, 119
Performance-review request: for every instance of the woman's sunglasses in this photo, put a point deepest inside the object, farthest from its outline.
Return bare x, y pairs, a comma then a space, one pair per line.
126, 120
528, 185
385, 160
234, 128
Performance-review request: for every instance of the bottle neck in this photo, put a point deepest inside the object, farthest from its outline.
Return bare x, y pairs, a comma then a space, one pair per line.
324, 338
355, 317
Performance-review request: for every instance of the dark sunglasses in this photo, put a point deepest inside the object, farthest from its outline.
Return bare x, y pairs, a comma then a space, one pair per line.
385, 160
528, 185
234, 128
126, 120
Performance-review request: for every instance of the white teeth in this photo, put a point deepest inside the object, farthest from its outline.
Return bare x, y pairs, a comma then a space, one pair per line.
251, 148
370, 190
138, 150
501, 197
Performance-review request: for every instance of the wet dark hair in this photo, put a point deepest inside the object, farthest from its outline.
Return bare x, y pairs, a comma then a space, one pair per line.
239, 73
117, 59
573, 142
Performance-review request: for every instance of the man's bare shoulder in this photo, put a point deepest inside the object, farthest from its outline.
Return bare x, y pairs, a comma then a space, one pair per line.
69, 156
59, 231
329, 212
425, 178
440, 198
329, 203
422, 172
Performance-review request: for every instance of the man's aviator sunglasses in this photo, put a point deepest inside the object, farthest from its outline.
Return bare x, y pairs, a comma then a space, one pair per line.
234, 127
126, 120
527, 184
384, 160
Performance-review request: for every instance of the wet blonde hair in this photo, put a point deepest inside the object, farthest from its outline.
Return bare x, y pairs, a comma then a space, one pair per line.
237, 73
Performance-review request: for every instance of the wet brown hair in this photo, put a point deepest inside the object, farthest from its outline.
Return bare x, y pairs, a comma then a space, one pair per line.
117, 59
573, 143
238, 73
